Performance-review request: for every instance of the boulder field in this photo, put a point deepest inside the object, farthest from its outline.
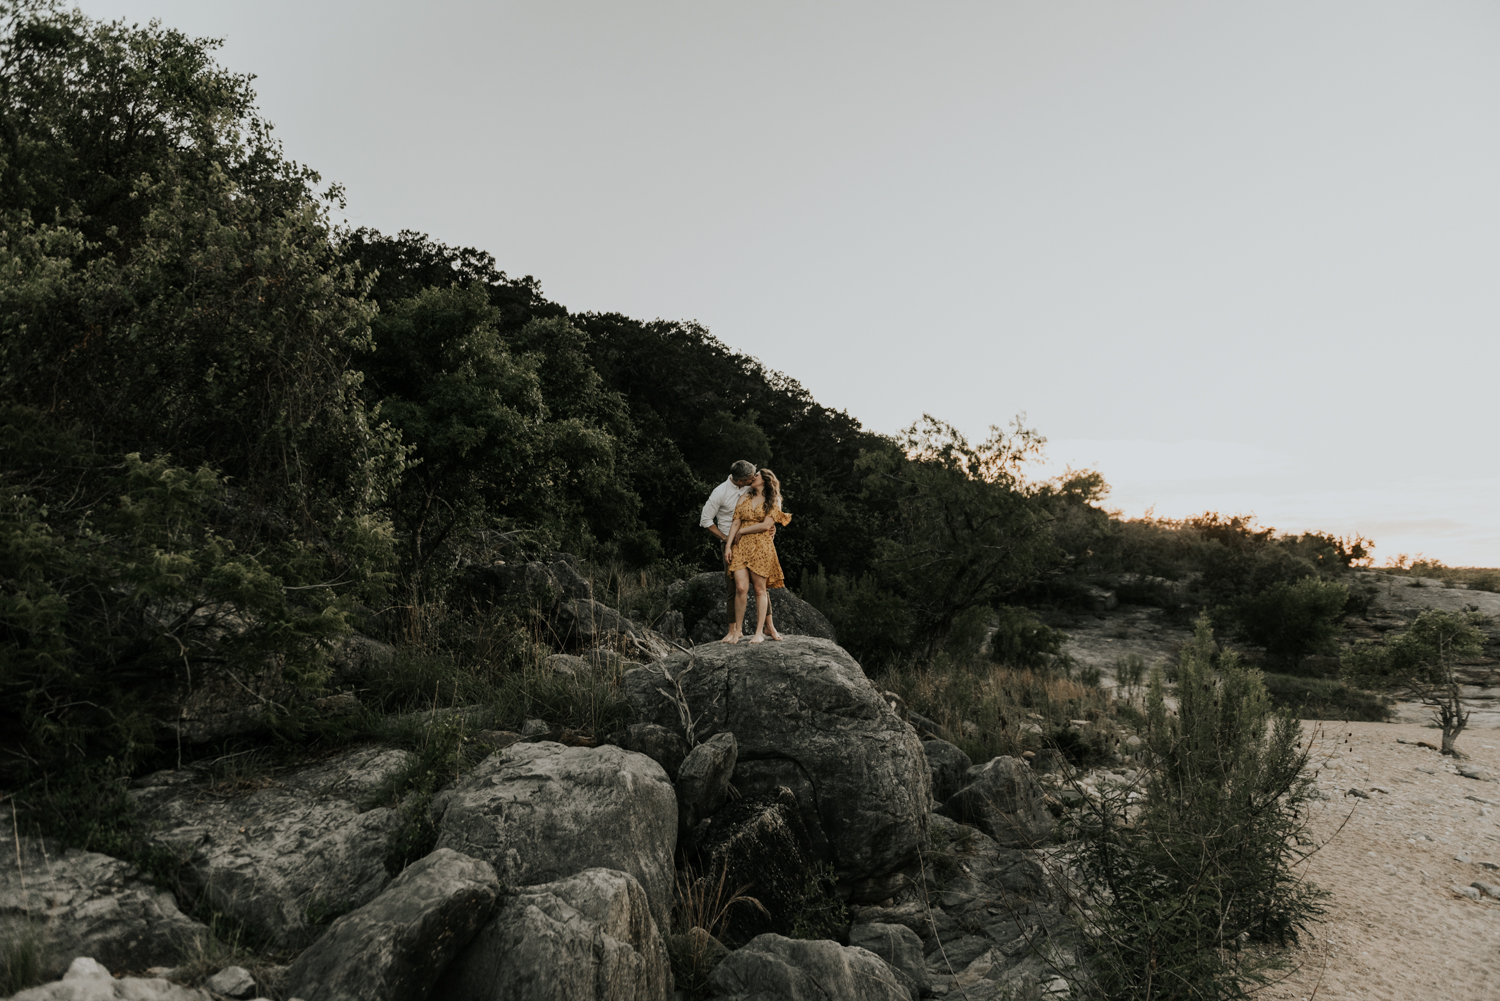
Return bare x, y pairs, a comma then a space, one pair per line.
569, 871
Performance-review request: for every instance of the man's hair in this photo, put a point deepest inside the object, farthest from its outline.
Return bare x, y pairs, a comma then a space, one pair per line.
742, 470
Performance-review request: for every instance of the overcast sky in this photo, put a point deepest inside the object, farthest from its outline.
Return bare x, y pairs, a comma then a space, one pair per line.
1239, 256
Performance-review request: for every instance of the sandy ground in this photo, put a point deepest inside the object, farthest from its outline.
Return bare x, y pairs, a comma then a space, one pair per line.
1395, 930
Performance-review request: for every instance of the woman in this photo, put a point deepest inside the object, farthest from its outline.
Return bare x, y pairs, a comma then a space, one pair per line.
751, 553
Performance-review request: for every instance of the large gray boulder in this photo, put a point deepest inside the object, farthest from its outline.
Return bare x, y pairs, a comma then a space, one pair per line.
541, 812
899, 946
806, 718
302, 846
87, 904
661, 745
585, 624
789, 969
397, 946
89, 980
539, 585
589, 936
969, 871
701, 601
1002, 799
947, 764
703, 778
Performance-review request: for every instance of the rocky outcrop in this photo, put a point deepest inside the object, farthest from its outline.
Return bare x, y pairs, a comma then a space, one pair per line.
806, 718
900, 947
88, 980
589, 936
1002, 799
661, 745
584, 624
701, 601
759, 844
397, 946
947, 764
87, 904
541, 812
539, 585
789, 969
703, 779
282, 856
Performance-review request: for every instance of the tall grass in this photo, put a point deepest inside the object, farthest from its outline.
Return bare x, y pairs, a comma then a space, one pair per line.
992, 710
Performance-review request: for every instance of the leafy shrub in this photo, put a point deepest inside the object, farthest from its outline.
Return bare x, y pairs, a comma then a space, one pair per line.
1174, 887
1021, 639
1293, 620
1324, 698
116, 586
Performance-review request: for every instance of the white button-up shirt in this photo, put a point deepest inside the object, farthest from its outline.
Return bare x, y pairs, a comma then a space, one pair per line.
721, 504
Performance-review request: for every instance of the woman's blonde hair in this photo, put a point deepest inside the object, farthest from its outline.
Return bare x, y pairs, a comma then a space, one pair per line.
770, 494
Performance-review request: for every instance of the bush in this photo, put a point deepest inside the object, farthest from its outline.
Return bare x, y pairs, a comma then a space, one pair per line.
1324, 698
1021, 639
1173, 888
1293, 620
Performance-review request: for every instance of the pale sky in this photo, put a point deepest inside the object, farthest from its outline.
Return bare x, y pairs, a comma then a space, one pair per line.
1240, 256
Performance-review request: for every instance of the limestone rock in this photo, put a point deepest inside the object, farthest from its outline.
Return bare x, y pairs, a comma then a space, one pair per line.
354, 657
589, 936
899, 946
585, 624
232, 981
970, 871
566, 664
758, 843
538, 585
89, 980
303, 844
1003, 800
397, 946
788, 969
806, 718
703, 779
661, 745
541, 812
92, 905
947, 765
701, 600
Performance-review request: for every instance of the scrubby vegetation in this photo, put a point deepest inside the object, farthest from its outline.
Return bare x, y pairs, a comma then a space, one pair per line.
1177, 875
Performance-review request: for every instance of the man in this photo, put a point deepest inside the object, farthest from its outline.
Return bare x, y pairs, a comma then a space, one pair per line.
718, 518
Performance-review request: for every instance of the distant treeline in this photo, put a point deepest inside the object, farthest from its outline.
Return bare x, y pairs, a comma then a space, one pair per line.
228, 425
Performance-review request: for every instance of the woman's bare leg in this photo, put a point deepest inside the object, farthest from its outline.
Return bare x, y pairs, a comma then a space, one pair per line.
762, 606
741, 596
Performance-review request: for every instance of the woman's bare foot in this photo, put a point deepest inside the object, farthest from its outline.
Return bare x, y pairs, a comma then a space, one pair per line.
731, 637
757, 638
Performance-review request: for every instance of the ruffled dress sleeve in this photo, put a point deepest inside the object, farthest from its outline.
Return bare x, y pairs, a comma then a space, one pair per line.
781, 517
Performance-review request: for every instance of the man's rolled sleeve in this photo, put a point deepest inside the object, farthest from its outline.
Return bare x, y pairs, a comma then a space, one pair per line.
711, 509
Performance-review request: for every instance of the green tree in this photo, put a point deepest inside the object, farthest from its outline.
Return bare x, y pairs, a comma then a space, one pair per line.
958, 525
115, 587
1422, 663
166, 275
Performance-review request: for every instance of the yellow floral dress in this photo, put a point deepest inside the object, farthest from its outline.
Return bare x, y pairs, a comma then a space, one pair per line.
757, 552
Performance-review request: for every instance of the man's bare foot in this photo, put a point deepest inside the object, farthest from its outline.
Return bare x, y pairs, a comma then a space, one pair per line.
731, 638
757, 638
771, 631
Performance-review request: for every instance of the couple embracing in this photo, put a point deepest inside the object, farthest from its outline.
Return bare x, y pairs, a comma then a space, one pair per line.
743, 513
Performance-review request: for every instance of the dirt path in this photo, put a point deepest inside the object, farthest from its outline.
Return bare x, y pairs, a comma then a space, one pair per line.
1395, 930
